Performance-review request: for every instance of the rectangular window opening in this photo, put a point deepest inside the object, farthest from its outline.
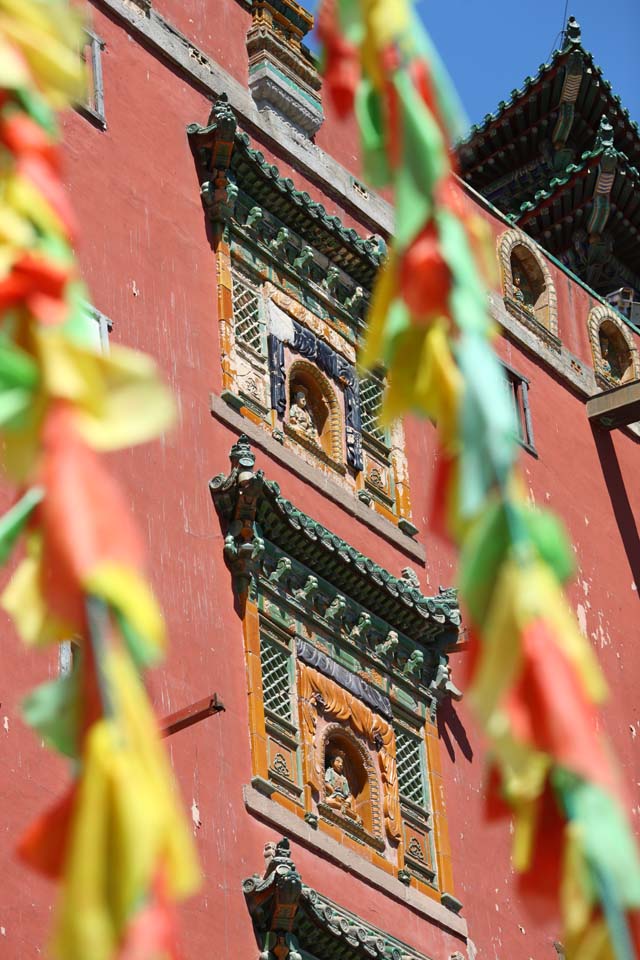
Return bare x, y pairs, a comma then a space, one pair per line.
93, 106
372, 387
276, 678
248, 322
410, 768
518, 387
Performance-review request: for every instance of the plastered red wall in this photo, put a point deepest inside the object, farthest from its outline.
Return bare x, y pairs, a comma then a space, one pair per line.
146, 258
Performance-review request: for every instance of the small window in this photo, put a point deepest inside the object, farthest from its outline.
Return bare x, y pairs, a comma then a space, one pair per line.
409, 762
276, 678
616, 361
529, 293
529, 287
93, 107
519, 391
104, 326
248, 323
371, 394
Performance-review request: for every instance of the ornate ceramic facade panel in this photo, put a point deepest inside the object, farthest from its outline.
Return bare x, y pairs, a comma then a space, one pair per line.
615, 355
346, 667
294, 286
527, 286
319, 693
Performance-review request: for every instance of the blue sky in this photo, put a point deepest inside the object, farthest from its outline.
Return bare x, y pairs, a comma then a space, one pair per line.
489, 46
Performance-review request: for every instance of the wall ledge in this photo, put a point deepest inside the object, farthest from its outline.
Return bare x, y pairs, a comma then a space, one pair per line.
222, 412
294, 826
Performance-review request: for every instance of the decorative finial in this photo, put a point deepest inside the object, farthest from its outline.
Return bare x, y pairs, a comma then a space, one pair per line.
241, 454
223, 116
572, 32
604, 138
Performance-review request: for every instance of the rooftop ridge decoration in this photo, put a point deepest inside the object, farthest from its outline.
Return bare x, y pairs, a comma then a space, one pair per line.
289, 916
253, 510
603, 248
546, 133
219, 143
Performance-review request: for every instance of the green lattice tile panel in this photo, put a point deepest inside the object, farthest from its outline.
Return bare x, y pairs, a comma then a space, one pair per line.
371, 391
276, 682
247, 321
409, 761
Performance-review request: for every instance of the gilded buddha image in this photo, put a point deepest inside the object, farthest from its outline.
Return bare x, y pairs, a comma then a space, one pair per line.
337, 789
301, 416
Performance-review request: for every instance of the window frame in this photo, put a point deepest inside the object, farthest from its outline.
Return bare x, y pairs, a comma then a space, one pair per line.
518, 387
93, 107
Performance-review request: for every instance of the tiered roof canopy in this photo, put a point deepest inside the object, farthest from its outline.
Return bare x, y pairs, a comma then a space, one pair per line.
561, 159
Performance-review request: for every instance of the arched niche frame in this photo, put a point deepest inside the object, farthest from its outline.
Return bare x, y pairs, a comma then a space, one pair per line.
283, 329
359, 770
315, 692
527, 287
615, 355
322, 404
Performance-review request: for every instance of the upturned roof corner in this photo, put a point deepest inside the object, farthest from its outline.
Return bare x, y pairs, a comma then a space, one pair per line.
289, 917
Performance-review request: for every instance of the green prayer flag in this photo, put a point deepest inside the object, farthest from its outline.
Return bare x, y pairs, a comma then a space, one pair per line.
14, 521
142, 654
370, 121
53, 710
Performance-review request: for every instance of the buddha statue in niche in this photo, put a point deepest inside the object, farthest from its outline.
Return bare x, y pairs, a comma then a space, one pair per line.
610, 362
300, 414
522, 292
337, 790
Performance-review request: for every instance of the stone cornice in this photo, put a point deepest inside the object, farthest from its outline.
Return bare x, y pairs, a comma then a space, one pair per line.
432, 911
315, 478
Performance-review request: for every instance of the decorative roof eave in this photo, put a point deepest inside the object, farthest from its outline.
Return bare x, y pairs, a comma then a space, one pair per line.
613, 107
289, 916
393, 599
505, 108
254, 510
618, 161
220, 148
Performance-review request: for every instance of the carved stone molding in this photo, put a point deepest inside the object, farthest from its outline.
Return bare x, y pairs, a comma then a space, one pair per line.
542, 318
605, 319
282, 75
342, 705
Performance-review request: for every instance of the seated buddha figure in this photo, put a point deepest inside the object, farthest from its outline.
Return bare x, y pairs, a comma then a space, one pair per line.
610, 362
337, 790
300, 415
522, 292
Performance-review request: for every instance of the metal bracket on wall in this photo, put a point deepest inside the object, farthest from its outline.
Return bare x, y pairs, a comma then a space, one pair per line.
190, 715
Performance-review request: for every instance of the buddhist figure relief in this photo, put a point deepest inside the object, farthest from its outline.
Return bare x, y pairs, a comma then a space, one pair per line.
301, 416
615, 355
337, 789
522, 293
610, 362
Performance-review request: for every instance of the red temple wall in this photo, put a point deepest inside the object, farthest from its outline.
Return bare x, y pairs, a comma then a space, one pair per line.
149, 266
